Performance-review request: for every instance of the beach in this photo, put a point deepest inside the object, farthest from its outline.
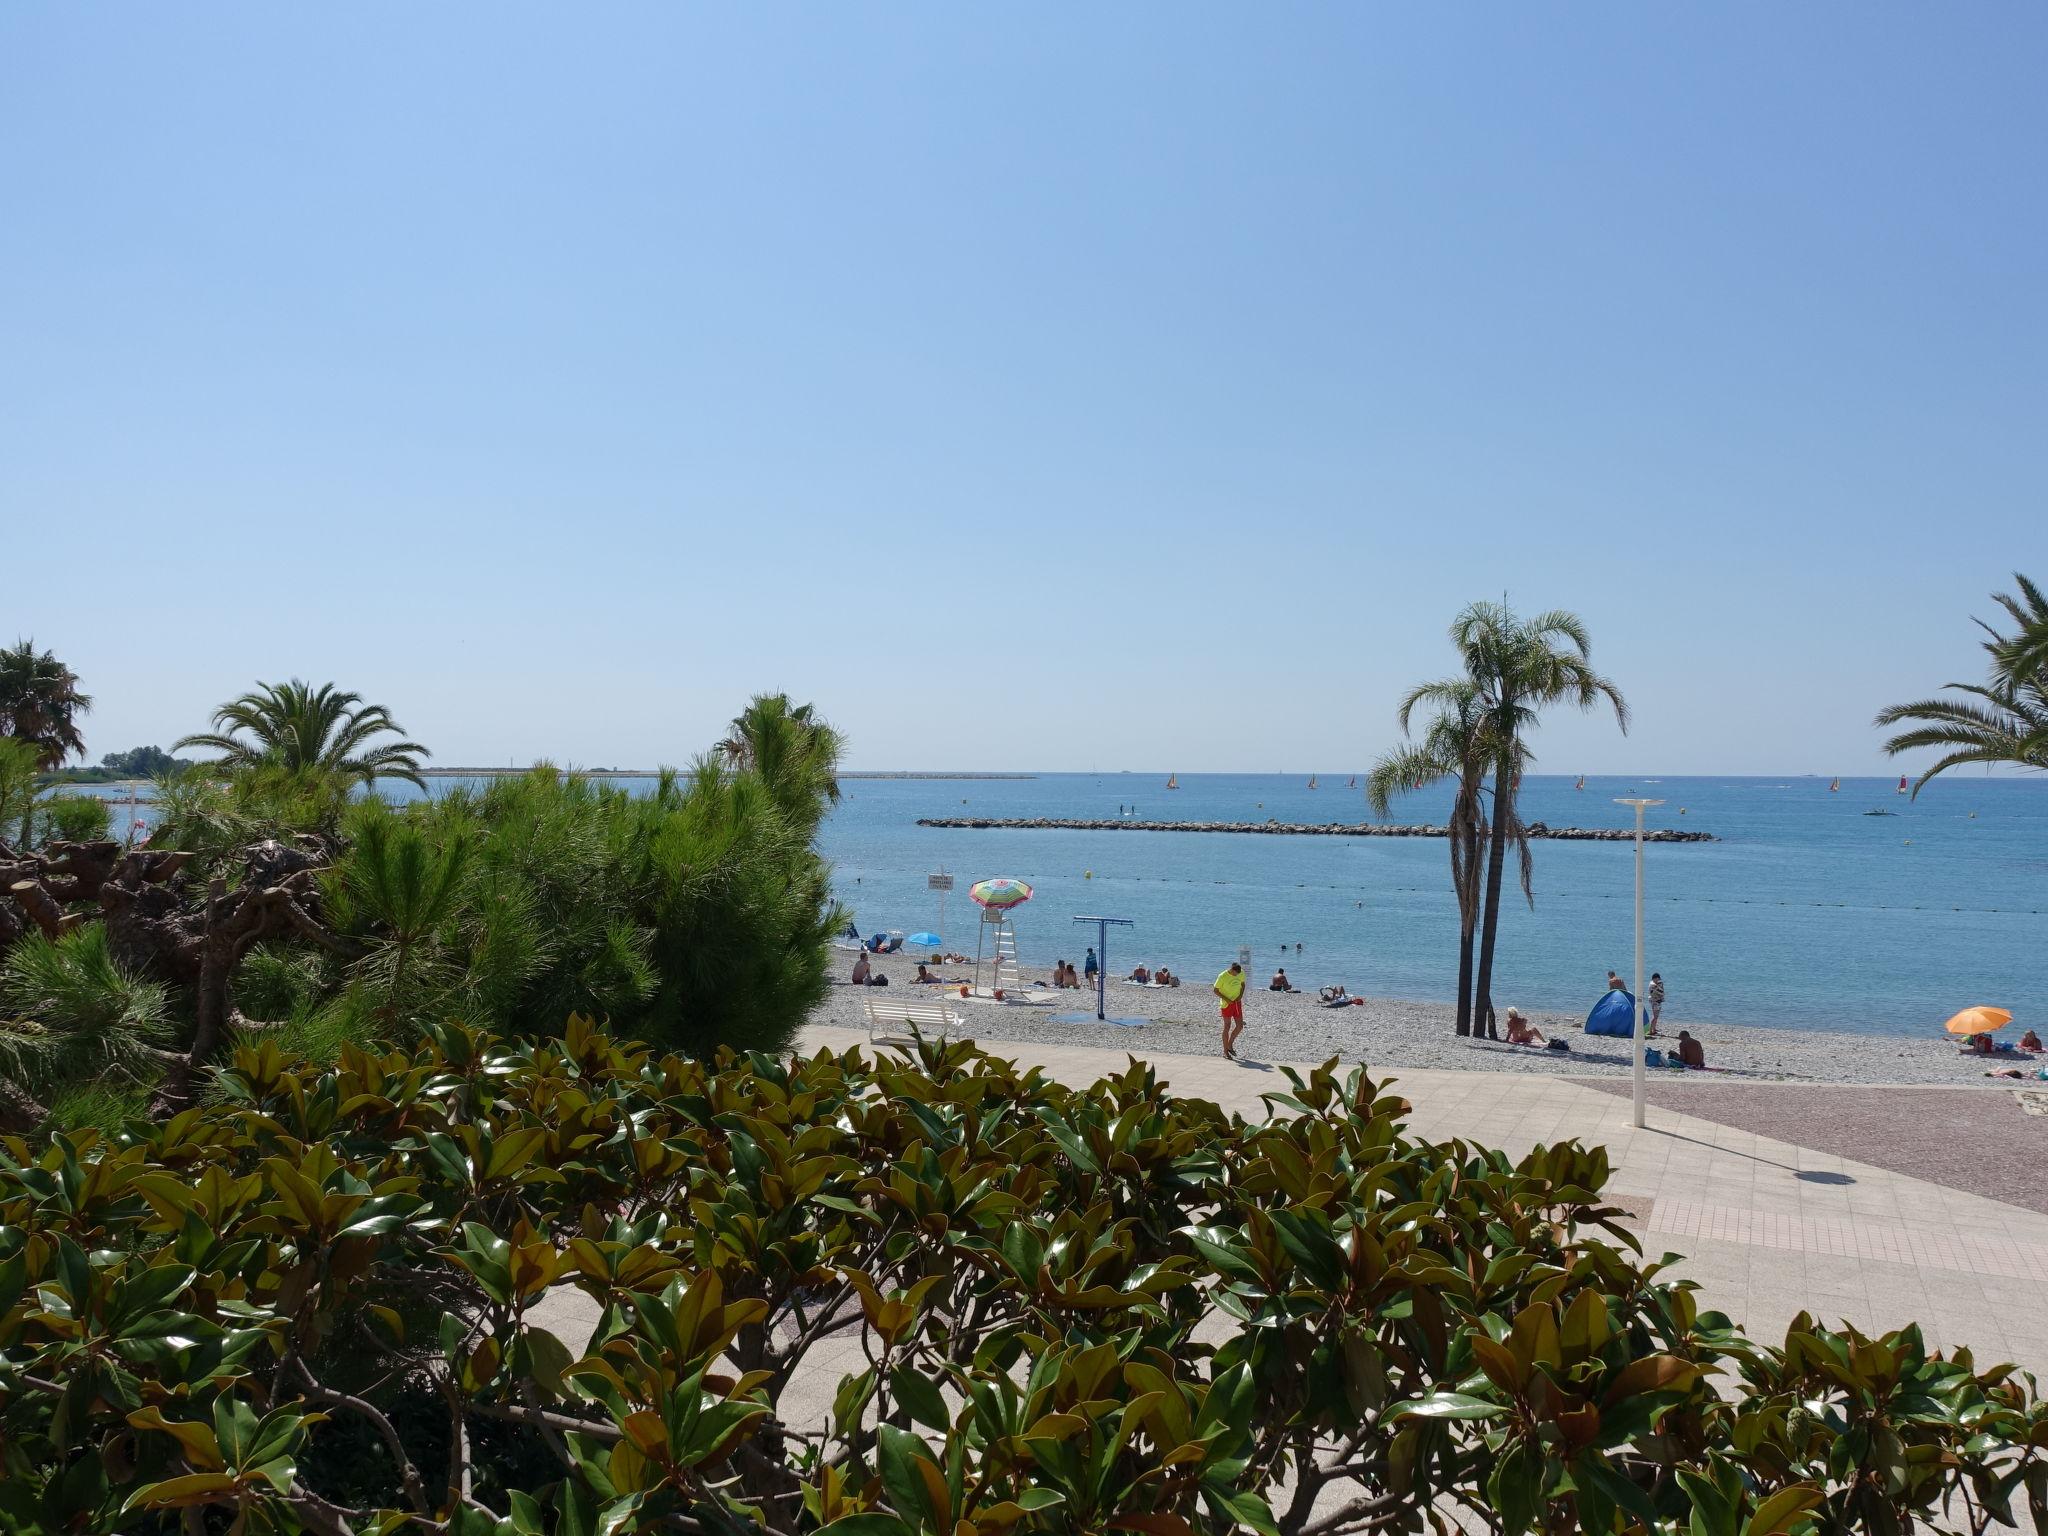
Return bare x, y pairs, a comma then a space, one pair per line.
1399, 1032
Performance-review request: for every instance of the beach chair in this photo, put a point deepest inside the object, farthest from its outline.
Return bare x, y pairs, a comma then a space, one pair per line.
892, 1017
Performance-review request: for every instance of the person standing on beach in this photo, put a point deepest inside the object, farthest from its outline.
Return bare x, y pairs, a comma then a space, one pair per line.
1655, 994
1090, 966
1229, 989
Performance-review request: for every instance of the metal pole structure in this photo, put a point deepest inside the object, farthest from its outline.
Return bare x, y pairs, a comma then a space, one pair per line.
1102, 925
1642, 1005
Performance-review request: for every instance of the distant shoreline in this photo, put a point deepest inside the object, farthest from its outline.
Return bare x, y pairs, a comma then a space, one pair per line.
1536, 829
651, 773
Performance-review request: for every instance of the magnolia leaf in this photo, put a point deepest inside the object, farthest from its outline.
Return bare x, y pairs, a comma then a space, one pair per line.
1449, 1405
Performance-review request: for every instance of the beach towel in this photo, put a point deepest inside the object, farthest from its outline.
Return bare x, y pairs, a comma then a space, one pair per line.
1614, 1014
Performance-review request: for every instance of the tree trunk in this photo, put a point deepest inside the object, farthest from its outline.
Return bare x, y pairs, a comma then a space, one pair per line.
20, 1113
1464, 980
1468, 920
1496, 863
155, 927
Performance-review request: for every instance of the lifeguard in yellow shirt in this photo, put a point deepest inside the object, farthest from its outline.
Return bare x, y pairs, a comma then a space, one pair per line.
1230, 989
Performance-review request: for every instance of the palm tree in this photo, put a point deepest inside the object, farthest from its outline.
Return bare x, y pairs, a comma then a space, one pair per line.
793, 752
1517, 666
2002, 720
296, 727
40, 703
1453, 745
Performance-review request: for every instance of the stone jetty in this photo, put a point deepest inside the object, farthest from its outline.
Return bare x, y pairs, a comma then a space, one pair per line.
1299, 829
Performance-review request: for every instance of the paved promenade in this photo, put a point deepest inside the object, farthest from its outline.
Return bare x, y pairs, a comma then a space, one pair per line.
1767, 1227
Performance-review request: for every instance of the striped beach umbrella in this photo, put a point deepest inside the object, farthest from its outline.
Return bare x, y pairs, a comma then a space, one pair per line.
999, 894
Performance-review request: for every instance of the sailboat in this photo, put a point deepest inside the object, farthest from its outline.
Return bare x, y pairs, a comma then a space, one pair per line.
1173, 781
1311, 781
1834, 786
1354, 782
1902, 784
1582, 782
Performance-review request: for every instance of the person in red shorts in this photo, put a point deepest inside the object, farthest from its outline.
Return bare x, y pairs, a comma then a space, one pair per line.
1230, 989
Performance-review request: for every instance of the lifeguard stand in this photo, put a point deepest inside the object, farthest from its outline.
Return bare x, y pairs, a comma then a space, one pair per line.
998, 941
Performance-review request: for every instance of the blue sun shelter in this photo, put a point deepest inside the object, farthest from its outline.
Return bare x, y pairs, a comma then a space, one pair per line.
1614, 1014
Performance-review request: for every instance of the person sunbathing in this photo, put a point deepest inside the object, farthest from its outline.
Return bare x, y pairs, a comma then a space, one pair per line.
1521, 1031
1140, 974
1690, 1053
861, 969
1165, 978
1336, 997
2030, 1041
924, 976
1280, 983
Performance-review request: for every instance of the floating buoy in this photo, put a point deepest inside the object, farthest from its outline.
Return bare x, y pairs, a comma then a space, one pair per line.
1087, 874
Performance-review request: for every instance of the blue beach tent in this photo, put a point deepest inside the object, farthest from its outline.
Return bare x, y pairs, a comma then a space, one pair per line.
1614, 1014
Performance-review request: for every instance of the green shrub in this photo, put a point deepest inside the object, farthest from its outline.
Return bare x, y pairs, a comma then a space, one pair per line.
322, 1304
73, 819
19, 762
215, 812
106, 1107
277, 981
69, 1014
699, 914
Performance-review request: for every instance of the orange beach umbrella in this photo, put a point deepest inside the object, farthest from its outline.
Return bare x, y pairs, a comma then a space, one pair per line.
1977, 1021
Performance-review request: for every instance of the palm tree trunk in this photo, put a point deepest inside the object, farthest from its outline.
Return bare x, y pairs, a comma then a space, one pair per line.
1464, 980
1496, 863
1468, 921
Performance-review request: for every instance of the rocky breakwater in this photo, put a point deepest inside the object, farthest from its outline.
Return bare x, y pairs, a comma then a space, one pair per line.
1296, 828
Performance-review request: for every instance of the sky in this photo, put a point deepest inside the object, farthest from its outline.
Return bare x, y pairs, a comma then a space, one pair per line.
1052, 387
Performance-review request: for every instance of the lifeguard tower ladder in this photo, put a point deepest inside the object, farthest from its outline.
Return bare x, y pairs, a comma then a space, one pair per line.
998, 940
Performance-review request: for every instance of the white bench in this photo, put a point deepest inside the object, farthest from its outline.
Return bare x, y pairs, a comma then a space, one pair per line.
892, 1015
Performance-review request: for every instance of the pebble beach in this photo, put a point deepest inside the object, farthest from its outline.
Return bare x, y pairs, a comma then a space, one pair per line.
1400, 1032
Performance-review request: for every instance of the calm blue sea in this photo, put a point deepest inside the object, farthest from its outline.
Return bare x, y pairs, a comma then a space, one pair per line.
1807, 913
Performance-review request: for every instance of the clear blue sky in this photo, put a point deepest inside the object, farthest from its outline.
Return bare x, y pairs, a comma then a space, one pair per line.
1131, 386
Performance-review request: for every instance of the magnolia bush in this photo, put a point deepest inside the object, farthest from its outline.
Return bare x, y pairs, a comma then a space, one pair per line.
321, 1302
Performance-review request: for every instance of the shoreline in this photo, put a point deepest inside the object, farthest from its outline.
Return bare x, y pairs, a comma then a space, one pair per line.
1398, 1032
1275, 828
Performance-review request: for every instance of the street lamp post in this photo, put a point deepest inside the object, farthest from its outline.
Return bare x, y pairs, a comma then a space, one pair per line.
1642, 1007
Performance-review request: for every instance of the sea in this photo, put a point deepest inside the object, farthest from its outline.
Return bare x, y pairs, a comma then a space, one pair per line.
1860, 910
